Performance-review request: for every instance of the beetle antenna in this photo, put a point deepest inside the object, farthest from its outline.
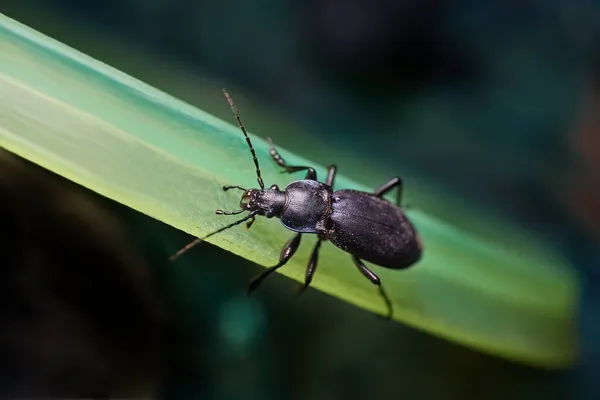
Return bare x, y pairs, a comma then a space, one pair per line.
241, 125
199, 240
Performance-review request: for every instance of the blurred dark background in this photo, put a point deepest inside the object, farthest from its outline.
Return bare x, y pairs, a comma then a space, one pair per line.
492, 103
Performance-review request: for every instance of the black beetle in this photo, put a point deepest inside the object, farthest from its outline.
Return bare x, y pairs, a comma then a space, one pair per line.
363, 224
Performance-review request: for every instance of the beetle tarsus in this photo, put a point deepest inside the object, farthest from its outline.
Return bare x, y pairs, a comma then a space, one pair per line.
311, 174
229, 187
376, 281
388, 303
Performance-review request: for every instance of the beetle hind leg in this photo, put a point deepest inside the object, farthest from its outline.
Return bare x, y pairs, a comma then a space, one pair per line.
376, 281
395, 182
311, 174
331, 172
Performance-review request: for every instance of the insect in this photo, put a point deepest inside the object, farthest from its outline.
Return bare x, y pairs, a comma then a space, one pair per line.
363, 224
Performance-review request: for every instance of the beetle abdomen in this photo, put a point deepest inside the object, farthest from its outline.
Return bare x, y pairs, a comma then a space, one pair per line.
373, 229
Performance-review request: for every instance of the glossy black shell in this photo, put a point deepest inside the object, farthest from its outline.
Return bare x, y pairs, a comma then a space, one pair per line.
372, 229
307, 206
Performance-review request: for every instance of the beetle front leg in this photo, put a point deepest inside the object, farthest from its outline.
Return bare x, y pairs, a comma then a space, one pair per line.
286, 253
311, 174
376, 281
229, 187
395, 182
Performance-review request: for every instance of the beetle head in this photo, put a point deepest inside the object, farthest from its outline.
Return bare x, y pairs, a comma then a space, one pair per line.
267, 202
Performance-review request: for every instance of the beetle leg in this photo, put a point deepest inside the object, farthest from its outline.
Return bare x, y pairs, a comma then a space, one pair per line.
229, 187
311, 174
395, 182
286, 253
376, 281
312, 266
250, 222
331, 172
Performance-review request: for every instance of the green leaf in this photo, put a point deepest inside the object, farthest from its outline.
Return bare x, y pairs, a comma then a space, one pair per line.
141, 147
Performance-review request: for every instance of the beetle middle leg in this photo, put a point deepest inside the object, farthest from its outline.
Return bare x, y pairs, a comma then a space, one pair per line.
286, 253
376, 281
312, 264
311, 174
395, 182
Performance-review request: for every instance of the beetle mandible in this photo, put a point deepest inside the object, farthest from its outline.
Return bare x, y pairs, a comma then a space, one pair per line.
363, 224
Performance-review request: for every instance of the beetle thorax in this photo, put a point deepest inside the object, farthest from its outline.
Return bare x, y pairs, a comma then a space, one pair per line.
307, 206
